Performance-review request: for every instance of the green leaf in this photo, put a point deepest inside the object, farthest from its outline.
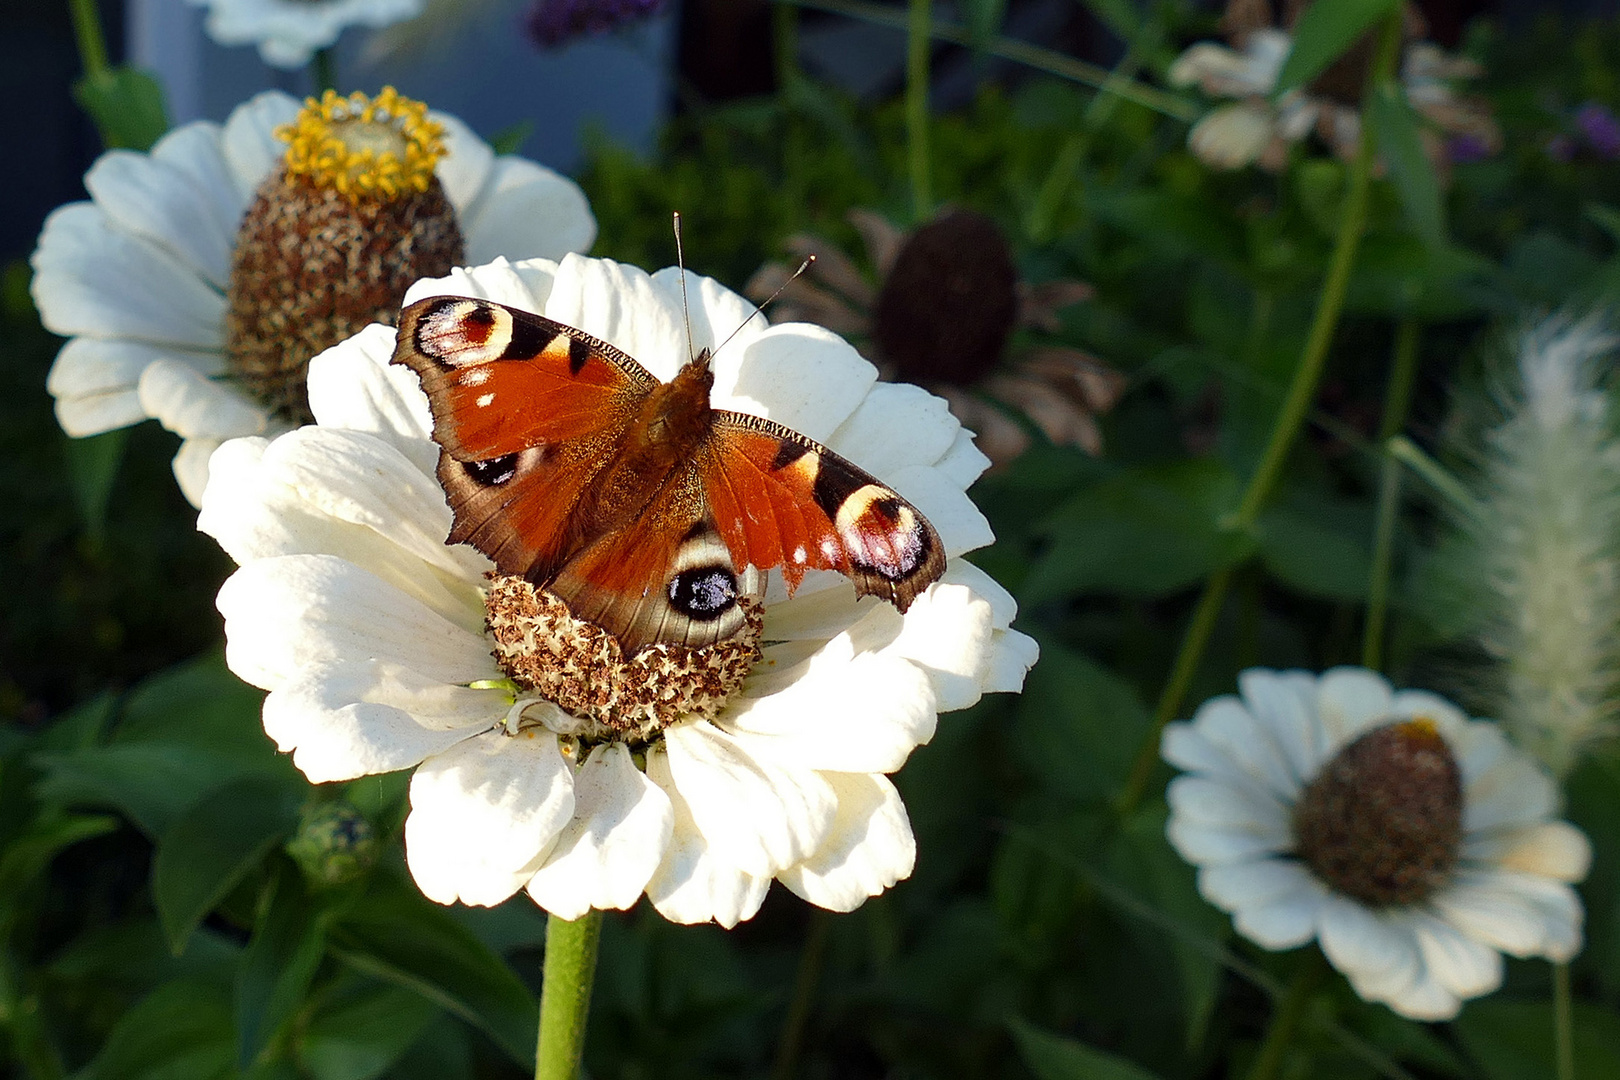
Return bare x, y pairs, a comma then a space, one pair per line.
288, 942
198, 703
1396, 127
510, 139
1325, 32
1319, 546
1078, 725
1145, 532
151, 784
127, 106
399, 937
1513, 1040
29, 854
983, 19
363, 1033
93, 464
1052, 1057
180, 1031
210, 848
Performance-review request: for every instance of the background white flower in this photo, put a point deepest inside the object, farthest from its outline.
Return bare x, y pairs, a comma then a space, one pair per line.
369, 632
288, 32
1247, 761
136, 276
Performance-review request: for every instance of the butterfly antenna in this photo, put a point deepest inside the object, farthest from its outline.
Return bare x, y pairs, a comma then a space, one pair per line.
686, 308
759, 309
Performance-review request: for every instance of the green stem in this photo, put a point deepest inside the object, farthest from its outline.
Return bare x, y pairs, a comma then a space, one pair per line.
785, 43
92, 40
919, 43
1295, 407
1053, 63
1563, 1023
1286, 1017
1408, 453
323, 71
804, 995
565, 994
1403, 373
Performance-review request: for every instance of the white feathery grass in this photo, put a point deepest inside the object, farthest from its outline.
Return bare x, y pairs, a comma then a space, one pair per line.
1548, 539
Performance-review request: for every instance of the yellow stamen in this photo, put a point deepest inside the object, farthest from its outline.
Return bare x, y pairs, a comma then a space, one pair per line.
364, 147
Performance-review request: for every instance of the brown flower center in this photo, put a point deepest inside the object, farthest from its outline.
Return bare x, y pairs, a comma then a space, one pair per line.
583, 670
949, 302
1382, 822
333, 238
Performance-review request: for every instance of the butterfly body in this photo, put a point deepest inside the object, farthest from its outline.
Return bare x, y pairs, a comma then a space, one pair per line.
647, 510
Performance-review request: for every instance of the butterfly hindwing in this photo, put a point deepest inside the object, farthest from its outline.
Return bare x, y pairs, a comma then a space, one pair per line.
788, 501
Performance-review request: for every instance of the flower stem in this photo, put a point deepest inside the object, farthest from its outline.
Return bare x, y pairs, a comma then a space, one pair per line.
1408, 453
565, 994
1563, 1023
1284, 431
919, 44
804, 995
90, 36
1285, 1018
323, 71
1403, 373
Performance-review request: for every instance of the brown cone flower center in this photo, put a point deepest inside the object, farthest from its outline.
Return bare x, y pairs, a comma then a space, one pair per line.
583, 669
334, 236
1382, 822
950, 301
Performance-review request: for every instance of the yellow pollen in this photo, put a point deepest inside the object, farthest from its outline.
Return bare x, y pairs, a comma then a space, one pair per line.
363, 146
1420, 730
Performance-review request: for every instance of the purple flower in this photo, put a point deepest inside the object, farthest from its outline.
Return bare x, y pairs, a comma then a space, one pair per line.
1561, 148
1600, 128
1466, 147
550, 23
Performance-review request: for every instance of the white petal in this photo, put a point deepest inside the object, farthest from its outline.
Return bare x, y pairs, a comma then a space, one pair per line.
1520, 914
192, 405
525, 285
693, 884
101, 365
484, 812
286, 614
1247, 742
1012, 654
1212, 802
464, 170
1351, 701
94, 413
759, 817
605, 855
1514, 790
1378, 953
1550, 849
947, 631
1285, 703
191, 464
869, 848
1464, 967
1274, 902
146, 196
249, 142
355, 385
964, 462
1204, 844
1003, 608
527, 211
1233, 136
92, 278
623, 306
895, 425
797, 374
1422, 704
356, 717
838, 711
198, 151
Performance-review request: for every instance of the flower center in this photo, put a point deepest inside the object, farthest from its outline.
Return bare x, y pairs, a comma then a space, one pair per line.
1382, 822
583, 670
352, 217
949, 302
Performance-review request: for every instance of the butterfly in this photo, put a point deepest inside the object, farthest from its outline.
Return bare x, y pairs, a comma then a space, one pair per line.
646, 510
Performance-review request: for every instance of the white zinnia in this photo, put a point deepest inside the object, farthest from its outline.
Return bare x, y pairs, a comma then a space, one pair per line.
136, 277
369, 632
288, 32
1248, 760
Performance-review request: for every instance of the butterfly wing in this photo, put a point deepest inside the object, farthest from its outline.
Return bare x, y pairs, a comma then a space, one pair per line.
526, 411
780, 499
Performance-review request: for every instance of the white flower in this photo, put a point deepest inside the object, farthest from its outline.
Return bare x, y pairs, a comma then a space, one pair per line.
370, 633
137, 276
1267, 769
1256, 129
288, 32
1546, 544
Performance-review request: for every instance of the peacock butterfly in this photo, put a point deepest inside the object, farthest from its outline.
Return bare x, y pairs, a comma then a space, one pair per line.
646, 510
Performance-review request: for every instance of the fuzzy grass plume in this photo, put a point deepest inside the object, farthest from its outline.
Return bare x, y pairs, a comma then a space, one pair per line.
1547, 541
